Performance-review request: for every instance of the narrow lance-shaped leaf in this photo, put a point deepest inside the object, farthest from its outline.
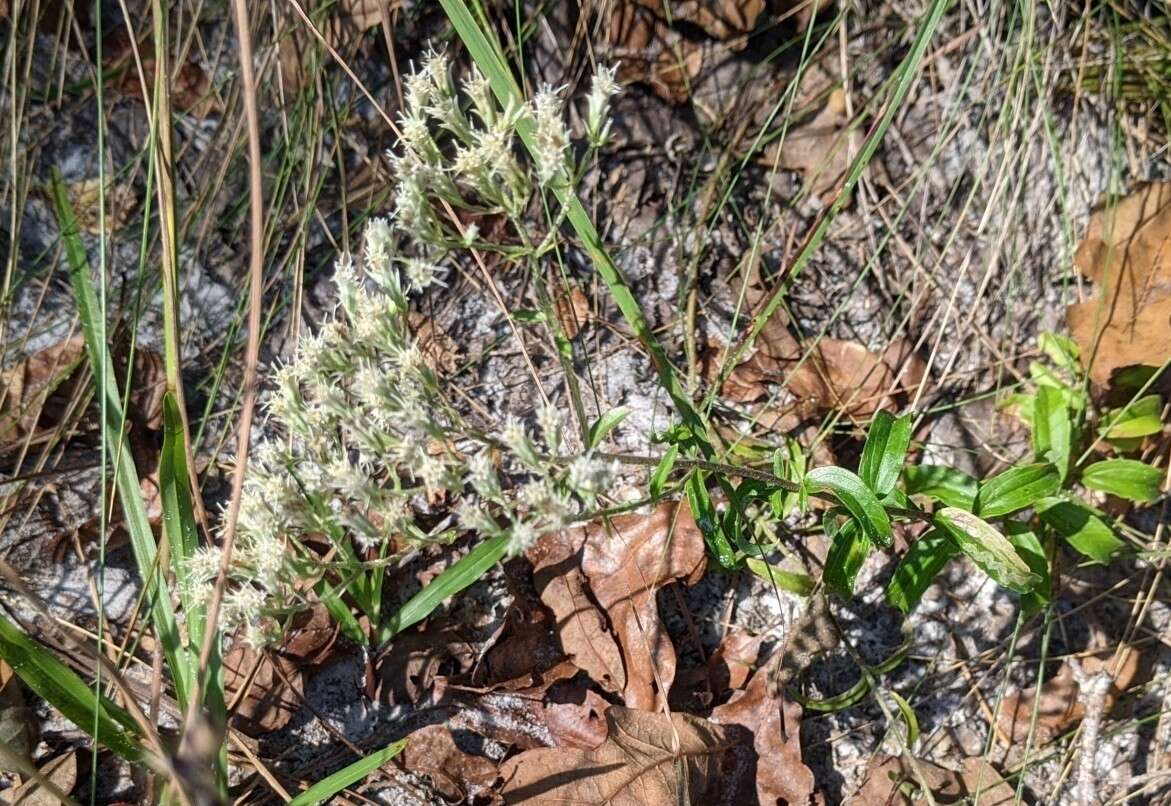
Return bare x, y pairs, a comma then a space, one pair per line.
953, 487
466, 571
1016, 488
663, 471
989, 549
142, 539
1126, 478
919, 566
58, 685
329, 786
604, 425
847, 553
884, 451
855, 497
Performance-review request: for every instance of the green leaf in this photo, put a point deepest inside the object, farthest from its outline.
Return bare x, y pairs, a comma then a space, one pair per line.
1084, 530
59, 686
947, 484
799, 584
1016, 488
604, 425
466, 571
663, 471
1052, 429
908, 716
1140, 419
989, 549
884, 451
855, 497
1126, 478
918, 567
142, 538
1029, 547
329, 786
847, 553
1062, 351
709, 521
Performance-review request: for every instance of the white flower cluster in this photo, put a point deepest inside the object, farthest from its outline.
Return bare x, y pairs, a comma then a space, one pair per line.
371, 454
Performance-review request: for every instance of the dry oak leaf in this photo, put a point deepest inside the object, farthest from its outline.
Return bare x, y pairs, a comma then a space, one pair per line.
816, 149
456, 775
345, 21
1126, 252
1059, 707
887, 778
645, 759
846, 375
722, 19
626, 561
35, 392
573, 311
580, 625
260, 697
774, 724
647, 50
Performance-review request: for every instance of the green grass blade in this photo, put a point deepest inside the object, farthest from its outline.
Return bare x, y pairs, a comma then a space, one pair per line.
125, 474
182, 536
52, 680
326, 788
450, 582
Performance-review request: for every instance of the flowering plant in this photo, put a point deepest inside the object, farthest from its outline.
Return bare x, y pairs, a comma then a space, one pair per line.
370, 454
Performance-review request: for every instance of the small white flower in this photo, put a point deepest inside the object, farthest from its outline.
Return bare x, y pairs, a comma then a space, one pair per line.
421, 273
474, 518
602, 89
552, 421
550, 136
516, 439
520, 537
589, 476
482, 475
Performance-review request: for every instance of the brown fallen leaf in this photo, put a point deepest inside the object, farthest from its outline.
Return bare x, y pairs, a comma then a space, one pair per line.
774, 727
816, 148
1059, 707
456, 775
722, 19
60, 772
626, 561
85, 196
35, 393
343, 24
18, 722
260, 697
580, 625
645, 760
407, 671
727, 669
573, 311
527, 645
647, 50
191, 90
1126, 252
893, 781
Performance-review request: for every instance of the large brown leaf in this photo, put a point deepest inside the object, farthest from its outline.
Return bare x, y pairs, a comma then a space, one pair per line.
581, 626
1126, 252
626, 561
774, 725
644, 760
